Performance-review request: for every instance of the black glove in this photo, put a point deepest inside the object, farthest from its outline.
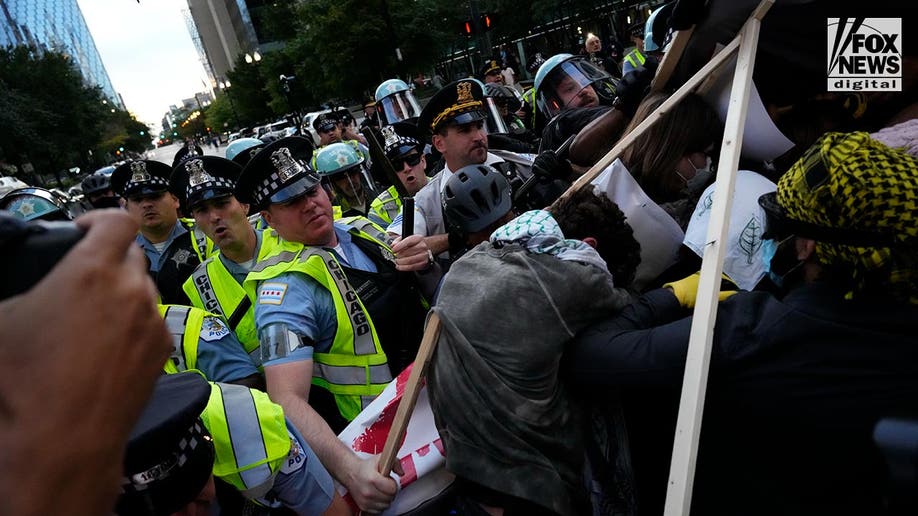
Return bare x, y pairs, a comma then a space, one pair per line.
548, 166
633, 87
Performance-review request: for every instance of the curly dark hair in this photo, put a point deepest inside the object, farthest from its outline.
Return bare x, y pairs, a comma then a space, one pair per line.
584, 214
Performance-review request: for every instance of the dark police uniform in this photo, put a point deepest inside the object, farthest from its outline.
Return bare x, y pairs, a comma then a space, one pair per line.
186, 246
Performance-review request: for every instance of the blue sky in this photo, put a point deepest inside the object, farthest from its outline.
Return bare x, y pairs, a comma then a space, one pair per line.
147, 52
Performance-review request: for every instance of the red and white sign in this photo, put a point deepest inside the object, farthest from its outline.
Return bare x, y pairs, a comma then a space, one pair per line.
421, 453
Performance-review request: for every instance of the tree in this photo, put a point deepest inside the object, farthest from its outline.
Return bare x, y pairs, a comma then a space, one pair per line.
51, 119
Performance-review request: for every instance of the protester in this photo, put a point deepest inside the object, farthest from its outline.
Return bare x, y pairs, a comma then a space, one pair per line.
516, 442
673, 160
797, 382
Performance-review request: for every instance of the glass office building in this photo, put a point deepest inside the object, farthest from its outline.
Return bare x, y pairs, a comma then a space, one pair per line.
56, 25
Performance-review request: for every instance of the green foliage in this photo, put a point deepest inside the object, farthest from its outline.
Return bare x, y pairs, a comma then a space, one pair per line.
344, 47
50, 118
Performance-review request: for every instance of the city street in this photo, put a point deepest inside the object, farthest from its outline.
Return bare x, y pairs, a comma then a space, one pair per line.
167, 152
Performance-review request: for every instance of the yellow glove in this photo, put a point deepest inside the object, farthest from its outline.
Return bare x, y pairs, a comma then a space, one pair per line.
686, 290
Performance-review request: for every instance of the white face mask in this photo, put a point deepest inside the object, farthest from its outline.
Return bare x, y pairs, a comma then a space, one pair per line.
699, 181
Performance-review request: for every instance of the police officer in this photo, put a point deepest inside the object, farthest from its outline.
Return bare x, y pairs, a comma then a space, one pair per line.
193, 432
490, 72
174, 247
328, 129
395, 102
206, 186
313, 325
345, 177
331, 131
202, 341
405, 152
97, 189
454, 120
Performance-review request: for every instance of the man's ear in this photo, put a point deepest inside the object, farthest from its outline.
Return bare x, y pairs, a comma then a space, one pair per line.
437, 141
590, 241
805, 248
265, 214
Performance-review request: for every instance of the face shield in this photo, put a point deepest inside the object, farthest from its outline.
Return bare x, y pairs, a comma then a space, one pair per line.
351, 187
494, 123
564, 87
398, 107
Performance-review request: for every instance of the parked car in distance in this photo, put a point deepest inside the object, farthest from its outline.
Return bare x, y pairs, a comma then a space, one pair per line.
279, 129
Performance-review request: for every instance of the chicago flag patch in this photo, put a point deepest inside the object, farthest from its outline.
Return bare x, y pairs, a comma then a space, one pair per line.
271, 293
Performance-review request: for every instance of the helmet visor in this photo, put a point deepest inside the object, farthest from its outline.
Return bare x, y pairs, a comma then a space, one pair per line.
398, 107
494, 121
564, 84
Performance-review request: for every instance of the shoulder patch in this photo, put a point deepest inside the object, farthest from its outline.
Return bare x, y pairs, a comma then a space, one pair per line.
213, 329
271, 293
296, 459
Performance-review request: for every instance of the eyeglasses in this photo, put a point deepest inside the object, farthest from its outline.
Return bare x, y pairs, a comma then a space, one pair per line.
411, 160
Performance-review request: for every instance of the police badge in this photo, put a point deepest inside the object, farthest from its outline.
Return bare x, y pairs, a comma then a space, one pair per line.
181, 257
196, 173
139, 172
286, 166
389, 135
464, 92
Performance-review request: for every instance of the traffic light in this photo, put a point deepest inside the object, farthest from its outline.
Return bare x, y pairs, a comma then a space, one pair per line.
485, 22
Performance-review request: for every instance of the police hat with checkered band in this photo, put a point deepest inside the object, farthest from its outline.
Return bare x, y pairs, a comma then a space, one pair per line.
202, 178
278, 173
401, 138
325, 122
188, 150
170, 455
141, 177
459, 102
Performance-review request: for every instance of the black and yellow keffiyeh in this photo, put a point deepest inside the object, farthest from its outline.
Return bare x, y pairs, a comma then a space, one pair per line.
848, 181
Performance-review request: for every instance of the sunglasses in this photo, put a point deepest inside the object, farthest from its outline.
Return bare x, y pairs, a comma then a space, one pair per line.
411, 160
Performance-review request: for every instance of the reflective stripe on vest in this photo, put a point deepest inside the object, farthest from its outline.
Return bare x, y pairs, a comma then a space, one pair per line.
635, 58
184, 324
387, 205
377, 234
250, 436
279, 258
355, 345
211, 287
203, 246
223, 300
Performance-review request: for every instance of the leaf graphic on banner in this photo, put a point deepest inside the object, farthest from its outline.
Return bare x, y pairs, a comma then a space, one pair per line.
750, 240
706, 203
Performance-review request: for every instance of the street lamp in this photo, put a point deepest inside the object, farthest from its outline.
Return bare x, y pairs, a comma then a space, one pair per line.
285, 81
225, 85
253, 57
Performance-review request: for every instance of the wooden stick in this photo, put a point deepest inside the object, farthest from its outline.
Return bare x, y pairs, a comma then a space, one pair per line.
410, 396
653, 118
694, 384
671, 59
